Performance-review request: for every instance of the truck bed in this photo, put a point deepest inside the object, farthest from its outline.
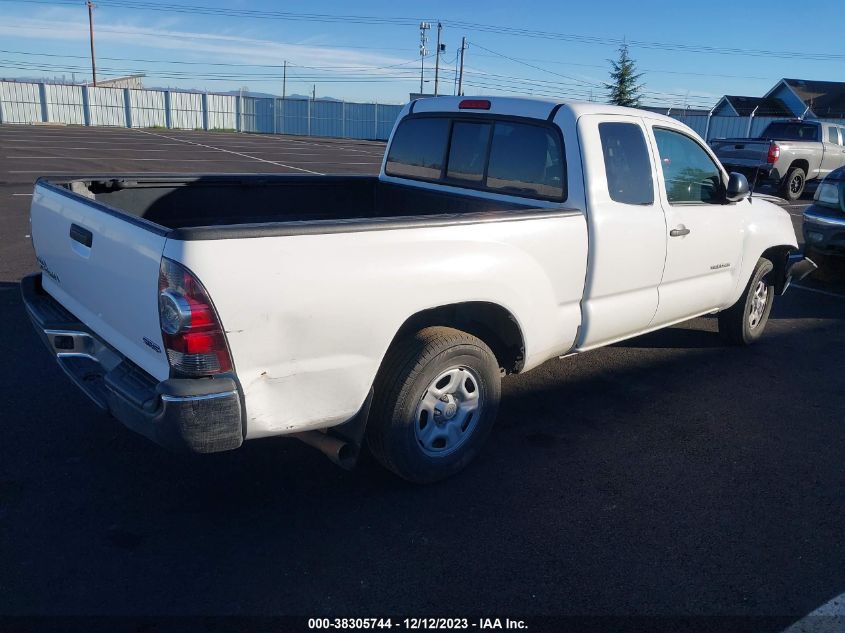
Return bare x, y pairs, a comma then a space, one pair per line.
230, 200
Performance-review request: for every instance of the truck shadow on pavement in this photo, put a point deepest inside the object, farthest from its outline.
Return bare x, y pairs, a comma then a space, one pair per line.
661, 478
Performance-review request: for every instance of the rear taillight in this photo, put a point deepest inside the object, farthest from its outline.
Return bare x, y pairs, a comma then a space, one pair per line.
192, 333
774, 154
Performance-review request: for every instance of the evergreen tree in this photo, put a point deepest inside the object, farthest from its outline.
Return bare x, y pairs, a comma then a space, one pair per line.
623, 88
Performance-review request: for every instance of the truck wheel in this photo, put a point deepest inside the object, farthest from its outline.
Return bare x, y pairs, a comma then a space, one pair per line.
744, 322
793, 185
436, 398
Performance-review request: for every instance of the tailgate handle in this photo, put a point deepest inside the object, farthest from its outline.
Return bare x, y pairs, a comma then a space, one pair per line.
83, 236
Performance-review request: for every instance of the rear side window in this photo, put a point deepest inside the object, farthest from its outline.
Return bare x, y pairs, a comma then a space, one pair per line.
525, 160
503, 156
626, 163
833, 135
419, 148
791, 131
468, 151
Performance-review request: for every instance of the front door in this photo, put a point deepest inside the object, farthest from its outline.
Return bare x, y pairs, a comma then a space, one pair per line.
704, 234
834, 152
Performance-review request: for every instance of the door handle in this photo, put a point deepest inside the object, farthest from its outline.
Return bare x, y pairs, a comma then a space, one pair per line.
678, 232
81, 235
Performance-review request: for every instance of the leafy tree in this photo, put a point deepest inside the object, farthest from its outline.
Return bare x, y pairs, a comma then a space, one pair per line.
623, 89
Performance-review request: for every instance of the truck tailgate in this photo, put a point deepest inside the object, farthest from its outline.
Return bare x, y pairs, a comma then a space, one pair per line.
104, 268
741, 151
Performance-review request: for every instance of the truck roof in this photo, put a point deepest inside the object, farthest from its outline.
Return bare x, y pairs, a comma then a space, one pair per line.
533, 107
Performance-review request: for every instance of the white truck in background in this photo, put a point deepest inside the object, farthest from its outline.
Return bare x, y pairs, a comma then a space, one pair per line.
501, 233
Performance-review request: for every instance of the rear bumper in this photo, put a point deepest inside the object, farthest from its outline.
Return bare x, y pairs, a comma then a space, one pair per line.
200, 415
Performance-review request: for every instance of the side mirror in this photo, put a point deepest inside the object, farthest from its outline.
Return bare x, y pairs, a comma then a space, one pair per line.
738, 188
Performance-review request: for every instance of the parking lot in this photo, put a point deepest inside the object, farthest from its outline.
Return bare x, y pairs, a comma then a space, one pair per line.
667, 475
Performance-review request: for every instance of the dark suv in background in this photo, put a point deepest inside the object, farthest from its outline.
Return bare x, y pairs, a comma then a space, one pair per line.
824, 223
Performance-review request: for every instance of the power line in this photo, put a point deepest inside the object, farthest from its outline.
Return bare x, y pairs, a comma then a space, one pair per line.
232, 64
546, 70
471, 26
207, 38
173, 74
232, 12
691, 48
645, 70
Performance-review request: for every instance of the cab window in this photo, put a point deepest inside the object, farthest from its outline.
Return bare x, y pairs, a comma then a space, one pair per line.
690, 174
468, 151
418, 149
525, 160
486, 153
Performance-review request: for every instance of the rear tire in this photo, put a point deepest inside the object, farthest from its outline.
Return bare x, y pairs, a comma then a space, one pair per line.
436, 399
793, 185
744, 322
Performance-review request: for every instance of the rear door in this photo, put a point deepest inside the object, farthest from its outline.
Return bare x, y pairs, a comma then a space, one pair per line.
103, 267
627, 229
704, 235
834, 152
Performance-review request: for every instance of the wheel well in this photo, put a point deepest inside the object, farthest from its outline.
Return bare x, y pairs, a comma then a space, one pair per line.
779, 256
490, 322
803, 164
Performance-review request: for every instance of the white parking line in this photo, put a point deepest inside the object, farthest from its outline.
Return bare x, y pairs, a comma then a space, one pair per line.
327, 146
22, 194
30, 141
74, 149
828, 618
54, 139
133, 159
827, 293
228, 151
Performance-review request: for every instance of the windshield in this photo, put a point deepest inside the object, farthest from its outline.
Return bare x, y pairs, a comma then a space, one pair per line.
789, 131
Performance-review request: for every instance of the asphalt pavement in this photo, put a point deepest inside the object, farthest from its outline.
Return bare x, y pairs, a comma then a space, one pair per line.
665, 476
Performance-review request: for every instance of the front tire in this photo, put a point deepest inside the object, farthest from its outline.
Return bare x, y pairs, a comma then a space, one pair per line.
744, 322
436, 399
794, 183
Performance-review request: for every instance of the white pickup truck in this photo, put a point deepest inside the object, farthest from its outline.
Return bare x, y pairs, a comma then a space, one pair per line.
501, 233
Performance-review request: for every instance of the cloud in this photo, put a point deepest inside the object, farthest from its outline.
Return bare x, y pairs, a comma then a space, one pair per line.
216, 47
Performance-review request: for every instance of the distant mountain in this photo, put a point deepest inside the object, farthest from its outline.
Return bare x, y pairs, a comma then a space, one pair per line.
267, 95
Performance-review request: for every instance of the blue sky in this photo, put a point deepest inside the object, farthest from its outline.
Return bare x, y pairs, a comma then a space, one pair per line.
361, 59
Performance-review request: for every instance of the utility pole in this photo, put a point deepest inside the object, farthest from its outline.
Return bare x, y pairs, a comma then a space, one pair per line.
90, 6
461, 76
440, 49
284, 79
424, 26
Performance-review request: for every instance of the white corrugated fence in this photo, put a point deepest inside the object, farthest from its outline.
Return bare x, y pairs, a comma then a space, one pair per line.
22, 102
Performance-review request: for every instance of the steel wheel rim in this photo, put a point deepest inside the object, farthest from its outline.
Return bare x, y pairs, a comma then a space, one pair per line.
758, 304
448, 411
